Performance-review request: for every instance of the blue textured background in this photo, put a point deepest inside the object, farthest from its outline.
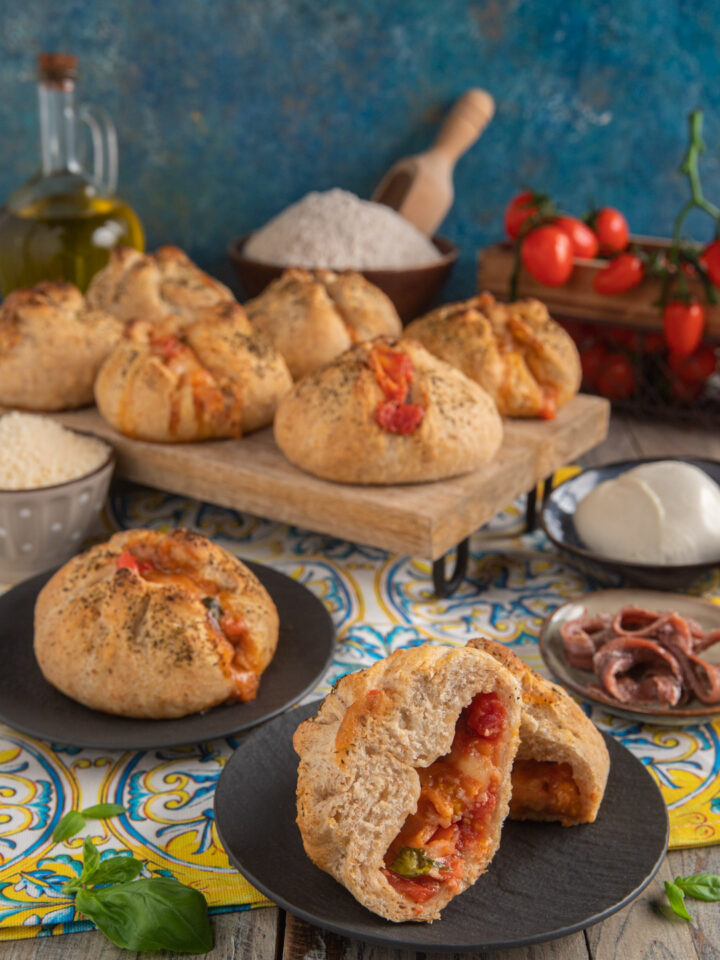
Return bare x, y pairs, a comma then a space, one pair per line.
228, 111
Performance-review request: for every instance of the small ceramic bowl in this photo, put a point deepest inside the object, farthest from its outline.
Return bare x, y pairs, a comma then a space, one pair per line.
42, 527
411, 289
557, 520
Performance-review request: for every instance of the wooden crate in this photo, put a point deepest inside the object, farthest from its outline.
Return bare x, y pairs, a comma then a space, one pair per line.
577, 299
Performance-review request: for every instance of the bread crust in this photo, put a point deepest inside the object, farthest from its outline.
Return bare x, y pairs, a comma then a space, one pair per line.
528, 364
228, 384
51, 347
327, 425
312, 316
154, 286
357, 779
554, 728
123, 645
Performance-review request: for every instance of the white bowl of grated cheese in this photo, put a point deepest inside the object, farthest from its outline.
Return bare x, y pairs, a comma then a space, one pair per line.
53, 484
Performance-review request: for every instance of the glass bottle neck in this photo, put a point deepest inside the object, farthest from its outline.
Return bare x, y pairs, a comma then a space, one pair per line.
58, 148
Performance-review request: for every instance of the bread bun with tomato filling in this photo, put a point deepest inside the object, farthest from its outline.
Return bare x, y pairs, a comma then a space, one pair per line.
404, 777
562, 762
312, 316
51, 347
387, 411
154, 286
213, 378
528, 364
155, 625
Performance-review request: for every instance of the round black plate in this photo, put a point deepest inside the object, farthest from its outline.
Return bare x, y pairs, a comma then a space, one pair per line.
557, 520
30, 704
545, 880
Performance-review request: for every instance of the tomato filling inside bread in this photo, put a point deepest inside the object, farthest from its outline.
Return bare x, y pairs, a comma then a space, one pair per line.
394, 373
171, 564
544, 787
458, 796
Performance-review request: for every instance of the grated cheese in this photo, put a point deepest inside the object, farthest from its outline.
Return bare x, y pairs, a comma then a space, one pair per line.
37, 452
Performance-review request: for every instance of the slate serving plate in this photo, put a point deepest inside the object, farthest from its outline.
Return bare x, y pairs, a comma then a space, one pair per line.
545, 881
557, 515
30, 704
587, 685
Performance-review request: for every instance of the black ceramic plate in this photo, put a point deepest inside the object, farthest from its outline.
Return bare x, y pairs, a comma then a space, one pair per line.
30, 704
557, 522
545, 880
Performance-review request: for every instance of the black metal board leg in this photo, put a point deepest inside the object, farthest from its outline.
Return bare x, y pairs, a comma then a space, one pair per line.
443, 586
531, 510
548, 487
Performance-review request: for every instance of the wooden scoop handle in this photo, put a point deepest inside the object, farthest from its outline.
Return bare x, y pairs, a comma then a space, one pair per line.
464, 124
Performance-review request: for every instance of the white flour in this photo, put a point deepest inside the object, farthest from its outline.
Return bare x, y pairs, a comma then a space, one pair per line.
337, 230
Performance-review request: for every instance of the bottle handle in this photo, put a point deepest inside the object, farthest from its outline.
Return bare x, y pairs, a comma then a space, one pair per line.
104, 143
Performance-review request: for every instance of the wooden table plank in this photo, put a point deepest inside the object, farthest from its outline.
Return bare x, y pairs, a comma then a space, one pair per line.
423, 520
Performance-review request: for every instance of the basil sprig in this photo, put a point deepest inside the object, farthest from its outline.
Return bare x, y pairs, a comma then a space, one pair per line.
158, 913
412, 862
700, 886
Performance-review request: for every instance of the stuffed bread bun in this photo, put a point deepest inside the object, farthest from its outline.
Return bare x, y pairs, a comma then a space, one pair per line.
404, 777
562, 763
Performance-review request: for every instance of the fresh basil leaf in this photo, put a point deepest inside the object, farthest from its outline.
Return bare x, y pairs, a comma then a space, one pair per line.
156, 914
91, 860
674, 895
700, 886
101, 811
117, 870
72, 823
70, 887
412, 862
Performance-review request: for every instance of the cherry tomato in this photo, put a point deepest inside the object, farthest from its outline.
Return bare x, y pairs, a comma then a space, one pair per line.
624, 337
653, 343
399, 417
683, 325
517, 211
711, 261
547, 255
621, 274
697, 367
486, 716
616, 380
584, 241
592, 361
611, 229
685, 391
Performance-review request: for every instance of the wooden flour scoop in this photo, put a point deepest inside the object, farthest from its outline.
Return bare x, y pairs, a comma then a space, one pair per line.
420, 188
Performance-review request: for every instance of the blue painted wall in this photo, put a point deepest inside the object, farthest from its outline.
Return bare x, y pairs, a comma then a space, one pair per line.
228, 111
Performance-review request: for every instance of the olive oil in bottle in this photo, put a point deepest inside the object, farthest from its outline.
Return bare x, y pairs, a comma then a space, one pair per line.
63, 223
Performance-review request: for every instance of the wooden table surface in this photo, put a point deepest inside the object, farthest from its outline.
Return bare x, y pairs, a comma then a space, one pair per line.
644, 930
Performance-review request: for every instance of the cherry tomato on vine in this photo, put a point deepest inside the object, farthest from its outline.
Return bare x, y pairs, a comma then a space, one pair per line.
695, 368
592, 361
686, 390
616, 380
653, 343
611, 229
625, 337
517, 212
710, 259
621, 274
683, 325
547, 255
584, 242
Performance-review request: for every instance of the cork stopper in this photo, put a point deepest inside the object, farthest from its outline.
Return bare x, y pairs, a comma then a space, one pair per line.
58, 68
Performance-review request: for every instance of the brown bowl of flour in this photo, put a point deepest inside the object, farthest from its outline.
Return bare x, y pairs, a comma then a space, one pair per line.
336, 230
412, 289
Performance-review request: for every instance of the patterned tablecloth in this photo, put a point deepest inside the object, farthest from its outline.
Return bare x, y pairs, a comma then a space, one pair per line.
379, 603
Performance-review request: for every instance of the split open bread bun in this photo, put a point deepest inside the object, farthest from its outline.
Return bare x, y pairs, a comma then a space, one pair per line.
155, 625
213, 378
528, 364
562, 762
51, 347
312, 316
342, 423
407, 764
154, 286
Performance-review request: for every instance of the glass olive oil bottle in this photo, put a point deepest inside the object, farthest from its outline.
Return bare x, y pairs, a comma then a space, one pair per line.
63, 223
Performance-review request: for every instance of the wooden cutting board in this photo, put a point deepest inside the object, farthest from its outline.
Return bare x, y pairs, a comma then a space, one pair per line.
425, 519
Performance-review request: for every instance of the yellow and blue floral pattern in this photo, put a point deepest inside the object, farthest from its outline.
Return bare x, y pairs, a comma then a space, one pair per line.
379, 603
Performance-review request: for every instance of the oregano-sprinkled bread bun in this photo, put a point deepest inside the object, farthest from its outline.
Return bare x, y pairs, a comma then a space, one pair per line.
404, 777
